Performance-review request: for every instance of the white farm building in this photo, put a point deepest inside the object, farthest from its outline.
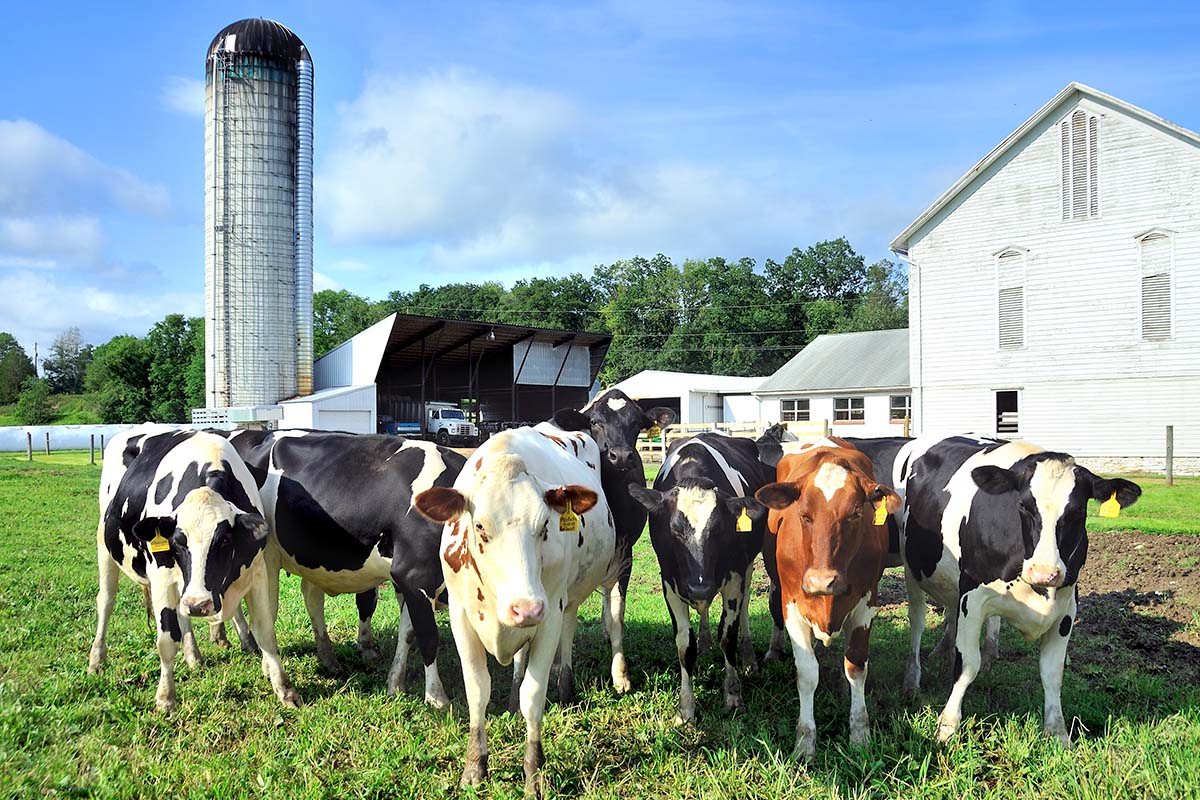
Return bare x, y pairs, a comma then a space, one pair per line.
1055, 288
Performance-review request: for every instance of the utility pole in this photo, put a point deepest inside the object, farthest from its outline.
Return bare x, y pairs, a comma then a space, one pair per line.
36, 374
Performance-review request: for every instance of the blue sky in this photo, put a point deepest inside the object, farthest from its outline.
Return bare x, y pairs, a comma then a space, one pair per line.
466, 142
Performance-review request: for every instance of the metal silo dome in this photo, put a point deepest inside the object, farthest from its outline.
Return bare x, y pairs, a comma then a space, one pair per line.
258, 215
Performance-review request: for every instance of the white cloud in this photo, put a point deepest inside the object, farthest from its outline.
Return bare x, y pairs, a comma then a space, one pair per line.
184, 95
76, 237
348, 265
322, 282
484, 172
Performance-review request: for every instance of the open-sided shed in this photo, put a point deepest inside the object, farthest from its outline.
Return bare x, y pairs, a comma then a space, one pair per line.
512, 372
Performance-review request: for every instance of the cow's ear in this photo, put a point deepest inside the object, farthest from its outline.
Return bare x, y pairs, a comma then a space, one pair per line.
887, 494
660, 416
995, 480
754, 509
778, 495
1127, 492
146, 529
252, 523
440, 504
650, 499
582, 499
568, 419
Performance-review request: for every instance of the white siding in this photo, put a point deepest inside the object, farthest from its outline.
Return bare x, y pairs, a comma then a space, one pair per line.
352, 410
355, 361
740, 408
876, 410
1088, 382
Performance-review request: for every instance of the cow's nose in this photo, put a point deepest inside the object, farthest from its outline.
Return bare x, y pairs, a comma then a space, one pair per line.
1037, 575
824, 582
198, 608
524, 613
620, 458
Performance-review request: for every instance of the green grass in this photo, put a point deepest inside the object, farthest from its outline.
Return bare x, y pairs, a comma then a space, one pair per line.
70, 409
64, 733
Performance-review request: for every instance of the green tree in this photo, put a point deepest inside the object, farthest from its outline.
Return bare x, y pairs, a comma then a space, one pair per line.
884, 302
195, 366
34, 405
67, 363
474, 301
567, 303
822, 316
120, 376
15, 367
170, 346
338, 315
641, 311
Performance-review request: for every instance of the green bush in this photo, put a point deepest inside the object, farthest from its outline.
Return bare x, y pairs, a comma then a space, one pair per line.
34, 406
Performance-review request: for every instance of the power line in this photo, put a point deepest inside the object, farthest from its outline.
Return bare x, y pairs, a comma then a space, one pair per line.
444, 310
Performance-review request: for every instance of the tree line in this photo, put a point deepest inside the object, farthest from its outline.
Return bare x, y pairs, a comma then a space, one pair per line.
703, 315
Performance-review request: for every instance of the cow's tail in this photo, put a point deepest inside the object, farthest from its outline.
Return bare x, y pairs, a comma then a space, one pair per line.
149, 605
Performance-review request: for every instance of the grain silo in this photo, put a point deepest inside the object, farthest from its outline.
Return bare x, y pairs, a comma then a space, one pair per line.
258, 269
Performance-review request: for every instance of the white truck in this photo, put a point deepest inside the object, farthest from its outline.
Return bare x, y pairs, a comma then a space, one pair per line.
445, 423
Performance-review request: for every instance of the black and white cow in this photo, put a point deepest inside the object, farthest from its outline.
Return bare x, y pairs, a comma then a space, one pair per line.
996, 529
180, 513
340, 511
771, 443
706, 484
615, 420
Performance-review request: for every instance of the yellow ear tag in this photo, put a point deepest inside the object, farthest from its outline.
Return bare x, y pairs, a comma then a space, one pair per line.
744, 524
881, 512
1110, 507
158, 544
569, 520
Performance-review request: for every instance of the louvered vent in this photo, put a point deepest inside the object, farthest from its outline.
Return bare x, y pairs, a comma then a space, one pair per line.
1156, 286
1010, 282
1079, 138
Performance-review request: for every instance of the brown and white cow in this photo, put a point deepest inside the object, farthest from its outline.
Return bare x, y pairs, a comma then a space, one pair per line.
824, 551
528, 537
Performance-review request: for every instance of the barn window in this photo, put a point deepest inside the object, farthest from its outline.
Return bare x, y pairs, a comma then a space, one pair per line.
848, 409
794, 410
1155, 254
900, 407
1010, 299
1079, 140
1007, 423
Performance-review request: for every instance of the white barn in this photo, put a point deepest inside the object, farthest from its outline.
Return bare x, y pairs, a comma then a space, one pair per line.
856, 382
696, 398
1054, 289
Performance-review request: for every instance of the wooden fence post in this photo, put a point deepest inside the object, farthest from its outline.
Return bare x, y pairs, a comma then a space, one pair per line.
29, 445
1170, 455
907, 426
47, 442
102, 445
92, 446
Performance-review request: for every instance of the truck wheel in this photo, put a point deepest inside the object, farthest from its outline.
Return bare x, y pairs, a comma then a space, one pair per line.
443, 438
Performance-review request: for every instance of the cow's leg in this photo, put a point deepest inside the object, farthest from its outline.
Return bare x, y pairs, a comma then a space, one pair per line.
566, 649
991, 644
1052, 658
614, 622
478, 684
262, 623
916, 627
519, 664
705, 642
425, 627
778, 638
749, 663
314, 600
217, 635
539, 654
397, 680
245, 637
191, 651
857, 632
164, 604
966, 660
730, 630
945, 651
807, 674
110, 571
366, 602
685, 648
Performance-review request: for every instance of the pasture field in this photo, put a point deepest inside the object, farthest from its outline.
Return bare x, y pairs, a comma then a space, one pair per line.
1130, 692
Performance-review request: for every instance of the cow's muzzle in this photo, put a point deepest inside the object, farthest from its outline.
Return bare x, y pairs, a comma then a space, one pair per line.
198, 608
621, 458
1042, 576
822, 582
526, 613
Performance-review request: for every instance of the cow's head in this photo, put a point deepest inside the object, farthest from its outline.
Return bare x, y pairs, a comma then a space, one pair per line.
693, 526
615, 420
498, 528
1051, 493
212, 541
822, 509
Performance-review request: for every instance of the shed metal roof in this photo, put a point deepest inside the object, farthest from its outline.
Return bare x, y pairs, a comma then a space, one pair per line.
841, 361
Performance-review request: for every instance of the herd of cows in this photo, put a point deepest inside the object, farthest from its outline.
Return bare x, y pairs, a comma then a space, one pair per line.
515, 537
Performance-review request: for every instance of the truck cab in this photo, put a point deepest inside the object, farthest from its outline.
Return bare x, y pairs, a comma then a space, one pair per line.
446, 424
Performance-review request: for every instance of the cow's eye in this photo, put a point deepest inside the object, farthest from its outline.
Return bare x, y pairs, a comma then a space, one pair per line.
807, 520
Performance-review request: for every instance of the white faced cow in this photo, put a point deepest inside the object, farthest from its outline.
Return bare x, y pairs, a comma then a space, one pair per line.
528, 536
340, 509
179, 513
996, 528
707, 528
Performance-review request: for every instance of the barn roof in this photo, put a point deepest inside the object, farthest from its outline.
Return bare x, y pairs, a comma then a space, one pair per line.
662, 383
845, 361
976, 174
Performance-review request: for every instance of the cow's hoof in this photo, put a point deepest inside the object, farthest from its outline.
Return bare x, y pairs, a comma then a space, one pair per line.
96, 663
773, 655
193, 660
622, 684
474, 774
438, 699
397, 683
1059, 734
750, 667
685, 720
733, 702
250, 646
514, 701
806, 747
331, 665
164, 704
533, 787
290, 698
946, 730
369, 653
859, 734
